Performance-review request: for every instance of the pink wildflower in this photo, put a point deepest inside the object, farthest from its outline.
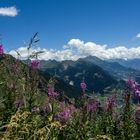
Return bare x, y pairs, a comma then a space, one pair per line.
34, 64
64, 116
91, 105
83, 86
51, 91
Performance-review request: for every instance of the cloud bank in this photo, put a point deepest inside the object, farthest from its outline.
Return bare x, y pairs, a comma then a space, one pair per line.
8, 11
77, 48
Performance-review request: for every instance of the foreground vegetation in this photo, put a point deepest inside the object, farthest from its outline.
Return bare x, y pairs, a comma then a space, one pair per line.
28, 113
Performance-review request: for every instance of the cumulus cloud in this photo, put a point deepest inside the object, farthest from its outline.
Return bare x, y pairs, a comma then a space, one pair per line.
77, 48
8, 11
102, 51
138, 35
47, 54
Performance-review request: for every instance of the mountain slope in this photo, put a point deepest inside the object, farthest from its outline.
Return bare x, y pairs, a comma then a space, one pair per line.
130, 63
73, 72
14, 72
114, 68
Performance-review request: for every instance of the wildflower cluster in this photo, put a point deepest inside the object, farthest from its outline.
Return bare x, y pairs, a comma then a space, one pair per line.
51, 92
92, 105
109, 104
135, 88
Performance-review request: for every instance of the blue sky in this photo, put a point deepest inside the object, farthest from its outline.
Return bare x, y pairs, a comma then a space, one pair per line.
111, 22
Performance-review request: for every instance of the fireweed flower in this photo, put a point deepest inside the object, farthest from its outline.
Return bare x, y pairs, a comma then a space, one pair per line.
53, 94
131, 84
137, 93
83, 86
64, 105
109, 104
92, 105
134, 87
34, 64
51, 91
1, 50
64, 116
137, 115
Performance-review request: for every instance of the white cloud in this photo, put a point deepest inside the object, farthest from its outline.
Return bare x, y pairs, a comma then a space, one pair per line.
65, 54
102, 51
77, 48
8, 11
138, 35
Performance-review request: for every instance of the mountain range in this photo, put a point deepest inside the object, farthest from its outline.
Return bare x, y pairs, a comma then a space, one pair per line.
129, 63
115, 68
73, 72
98, 74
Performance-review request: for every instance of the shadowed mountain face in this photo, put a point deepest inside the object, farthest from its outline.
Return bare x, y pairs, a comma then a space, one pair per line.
114, 68
73, 72
65, 69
